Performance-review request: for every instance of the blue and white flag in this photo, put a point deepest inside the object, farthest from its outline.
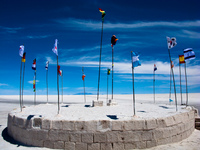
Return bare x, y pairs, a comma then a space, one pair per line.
135, 60
170, 100
21, 50
55, 49
171, 42
188, 54
47, 65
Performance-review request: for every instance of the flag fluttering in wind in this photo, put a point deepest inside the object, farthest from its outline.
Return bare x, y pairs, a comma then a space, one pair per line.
59, 71
172, 64
34, 64
34, 84
135, 60
23, 58
102, 12
171, 42
181, 59
55, 49
47, 65
108, 72
21, 50
155, 68
113, 40
83, 77
188, 54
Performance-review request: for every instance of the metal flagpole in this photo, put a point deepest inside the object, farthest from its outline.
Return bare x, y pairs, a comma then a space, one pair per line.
173, 77
58, 87
186, 86
62, 86
35, 90
47, 83
83, 84
170, 86
154, 85
107, 87
180, 83
23, 84
133, 85
112, 68
20, 86
100, 59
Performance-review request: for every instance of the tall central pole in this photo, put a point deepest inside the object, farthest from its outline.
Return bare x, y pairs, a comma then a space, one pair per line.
62, 86
112, 68
23, 85
35, 90
100, 60
58, 87
173, 77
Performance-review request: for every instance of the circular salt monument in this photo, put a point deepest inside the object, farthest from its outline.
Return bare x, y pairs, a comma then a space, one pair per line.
80, 126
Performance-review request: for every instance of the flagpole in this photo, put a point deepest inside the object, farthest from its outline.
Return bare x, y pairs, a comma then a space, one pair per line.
62, 86
170, 85
35, 89
112, 68
20, 86
100, 59
58, 87
47, 83
154, 85
180, 83
107, 88
173, 77
133, 85
186, 86
23, 84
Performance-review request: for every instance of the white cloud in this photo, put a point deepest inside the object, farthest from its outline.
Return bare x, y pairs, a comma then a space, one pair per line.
96, 25
3, 84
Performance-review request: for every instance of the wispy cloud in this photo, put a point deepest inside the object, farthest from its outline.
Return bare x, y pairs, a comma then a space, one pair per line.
38, 37
11, 30
3, 84
96, 25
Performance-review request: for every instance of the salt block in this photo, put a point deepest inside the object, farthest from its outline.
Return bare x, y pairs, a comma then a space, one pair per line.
111, 102
96, 103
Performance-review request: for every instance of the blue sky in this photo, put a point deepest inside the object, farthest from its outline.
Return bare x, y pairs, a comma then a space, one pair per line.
141, 26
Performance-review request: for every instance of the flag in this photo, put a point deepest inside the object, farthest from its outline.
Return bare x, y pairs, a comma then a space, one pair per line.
47, 65
171, 42
21, 50
34, 84
181, 59
170, 100
188, 54
59, 71
34, 64
83, 77
23, 58
113, 40
172, 64
155, 68
102, 12
108, 73
135, 60
55, 49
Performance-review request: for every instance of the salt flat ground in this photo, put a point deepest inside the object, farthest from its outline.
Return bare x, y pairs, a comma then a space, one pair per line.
143, 101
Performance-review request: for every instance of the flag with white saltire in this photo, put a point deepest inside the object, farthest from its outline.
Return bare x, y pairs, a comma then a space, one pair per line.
188, 54
55, 49
47, 65
135, 60
171, 42
21, 50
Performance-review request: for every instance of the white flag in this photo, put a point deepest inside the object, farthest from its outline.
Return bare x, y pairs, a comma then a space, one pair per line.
47, 65
171, 42
21, 50
55, 49
188, 54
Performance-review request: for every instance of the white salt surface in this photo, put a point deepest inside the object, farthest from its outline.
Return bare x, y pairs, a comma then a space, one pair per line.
145, 108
